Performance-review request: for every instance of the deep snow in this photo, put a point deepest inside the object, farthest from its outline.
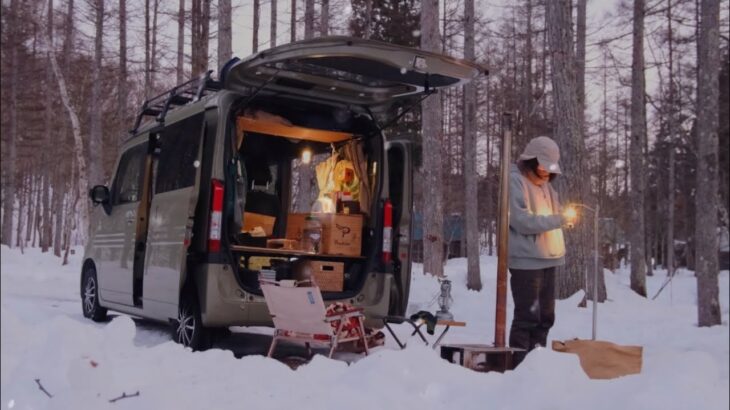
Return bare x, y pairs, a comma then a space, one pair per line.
84, 364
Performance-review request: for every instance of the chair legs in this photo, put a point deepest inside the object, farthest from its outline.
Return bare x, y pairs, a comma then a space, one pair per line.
362, 336
273, 344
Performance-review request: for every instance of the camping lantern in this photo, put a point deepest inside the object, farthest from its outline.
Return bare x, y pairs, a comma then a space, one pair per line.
445, 301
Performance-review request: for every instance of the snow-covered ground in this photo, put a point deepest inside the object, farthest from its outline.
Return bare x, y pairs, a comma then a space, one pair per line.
84, 364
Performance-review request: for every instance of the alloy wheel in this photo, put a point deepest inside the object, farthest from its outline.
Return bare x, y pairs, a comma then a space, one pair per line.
185, 326
89, 294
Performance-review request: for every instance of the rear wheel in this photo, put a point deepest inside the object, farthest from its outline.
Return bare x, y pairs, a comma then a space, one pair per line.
188, 329
90, 296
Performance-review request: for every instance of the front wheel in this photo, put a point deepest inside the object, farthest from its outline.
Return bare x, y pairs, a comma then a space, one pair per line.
188, 329
90, 296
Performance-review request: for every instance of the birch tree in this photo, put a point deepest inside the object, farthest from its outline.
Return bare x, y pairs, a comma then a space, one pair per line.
706, 265
471, 222
431, 134
638, 135
83, 179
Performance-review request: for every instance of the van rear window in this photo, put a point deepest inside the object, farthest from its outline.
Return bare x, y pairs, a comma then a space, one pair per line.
178, 151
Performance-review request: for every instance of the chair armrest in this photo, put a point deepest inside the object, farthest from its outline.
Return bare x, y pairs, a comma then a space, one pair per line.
344, 315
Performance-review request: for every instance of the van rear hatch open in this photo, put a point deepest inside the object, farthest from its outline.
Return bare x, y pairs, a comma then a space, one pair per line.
349, 70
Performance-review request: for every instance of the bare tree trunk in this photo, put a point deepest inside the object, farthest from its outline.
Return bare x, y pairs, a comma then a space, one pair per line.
147, 51
22, 199
204, 35
431, 132
526, 128
123, 86
154, 60
308, 19
256, 12
706, 261
580, 55
274, 16
573, 185
45, 240
57, 210
96, 144
225, 34
602, 171
180, 71
10, 153
473, 280
669, 260
638, 130
369, 18
293, 22
200, 13
324, 25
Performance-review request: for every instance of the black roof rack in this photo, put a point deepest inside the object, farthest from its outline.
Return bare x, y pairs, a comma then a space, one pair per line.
177, 96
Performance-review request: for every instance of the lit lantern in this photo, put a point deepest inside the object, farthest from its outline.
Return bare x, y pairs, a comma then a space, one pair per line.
571, 215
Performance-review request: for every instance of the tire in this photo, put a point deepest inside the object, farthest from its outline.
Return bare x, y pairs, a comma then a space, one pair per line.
90, 296
188, 329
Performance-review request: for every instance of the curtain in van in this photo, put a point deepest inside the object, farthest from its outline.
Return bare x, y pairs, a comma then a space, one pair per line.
354, 152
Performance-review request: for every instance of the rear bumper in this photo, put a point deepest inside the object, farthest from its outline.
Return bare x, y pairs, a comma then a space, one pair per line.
224, 303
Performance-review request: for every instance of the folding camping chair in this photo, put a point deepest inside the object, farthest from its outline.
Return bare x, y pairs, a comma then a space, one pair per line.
299, 315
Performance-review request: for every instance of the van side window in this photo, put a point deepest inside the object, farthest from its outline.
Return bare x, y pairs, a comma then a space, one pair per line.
128, 181
178, 151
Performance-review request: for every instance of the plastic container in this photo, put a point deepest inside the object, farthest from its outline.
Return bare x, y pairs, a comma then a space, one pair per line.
311, 234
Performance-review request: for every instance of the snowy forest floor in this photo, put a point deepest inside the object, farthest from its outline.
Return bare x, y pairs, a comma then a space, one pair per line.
83, 364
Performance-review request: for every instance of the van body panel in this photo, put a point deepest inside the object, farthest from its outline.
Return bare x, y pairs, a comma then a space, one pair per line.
222, 301
113, 235
171, 210
400, 175
359, 78
165, 249
349, 70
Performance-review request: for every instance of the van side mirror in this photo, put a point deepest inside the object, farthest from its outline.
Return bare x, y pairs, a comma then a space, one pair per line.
99, 194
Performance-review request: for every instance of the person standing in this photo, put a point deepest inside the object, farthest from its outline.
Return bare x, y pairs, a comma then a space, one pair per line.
536, 244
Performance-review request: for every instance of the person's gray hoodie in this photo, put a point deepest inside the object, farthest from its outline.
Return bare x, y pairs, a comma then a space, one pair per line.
535, 234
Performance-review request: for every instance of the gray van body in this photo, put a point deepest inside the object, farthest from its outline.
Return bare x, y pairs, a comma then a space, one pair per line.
175, 261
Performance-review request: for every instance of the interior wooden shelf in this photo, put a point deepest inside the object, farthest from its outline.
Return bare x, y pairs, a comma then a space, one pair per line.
254, 250
291, 131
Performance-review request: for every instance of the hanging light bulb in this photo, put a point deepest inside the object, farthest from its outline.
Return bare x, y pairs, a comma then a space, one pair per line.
306, 156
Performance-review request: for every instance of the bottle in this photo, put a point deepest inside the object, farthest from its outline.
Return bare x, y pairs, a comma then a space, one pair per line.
311, 234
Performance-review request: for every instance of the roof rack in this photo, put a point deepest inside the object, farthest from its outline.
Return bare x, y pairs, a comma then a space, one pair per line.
177, 96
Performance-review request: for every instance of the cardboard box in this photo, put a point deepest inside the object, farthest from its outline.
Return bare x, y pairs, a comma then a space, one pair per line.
329, 276
252, 220
341, 234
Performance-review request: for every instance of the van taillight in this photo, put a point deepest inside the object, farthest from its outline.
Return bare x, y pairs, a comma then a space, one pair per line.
387, 231
216, 217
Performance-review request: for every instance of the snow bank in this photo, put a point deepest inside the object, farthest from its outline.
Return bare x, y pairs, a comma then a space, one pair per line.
84, 365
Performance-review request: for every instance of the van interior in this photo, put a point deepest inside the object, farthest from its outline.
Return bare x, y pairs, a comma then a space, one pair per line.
306, 181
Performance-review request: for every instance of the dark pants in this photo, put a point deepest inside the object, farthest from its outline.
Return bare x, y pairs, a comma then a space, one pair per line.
533, 292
